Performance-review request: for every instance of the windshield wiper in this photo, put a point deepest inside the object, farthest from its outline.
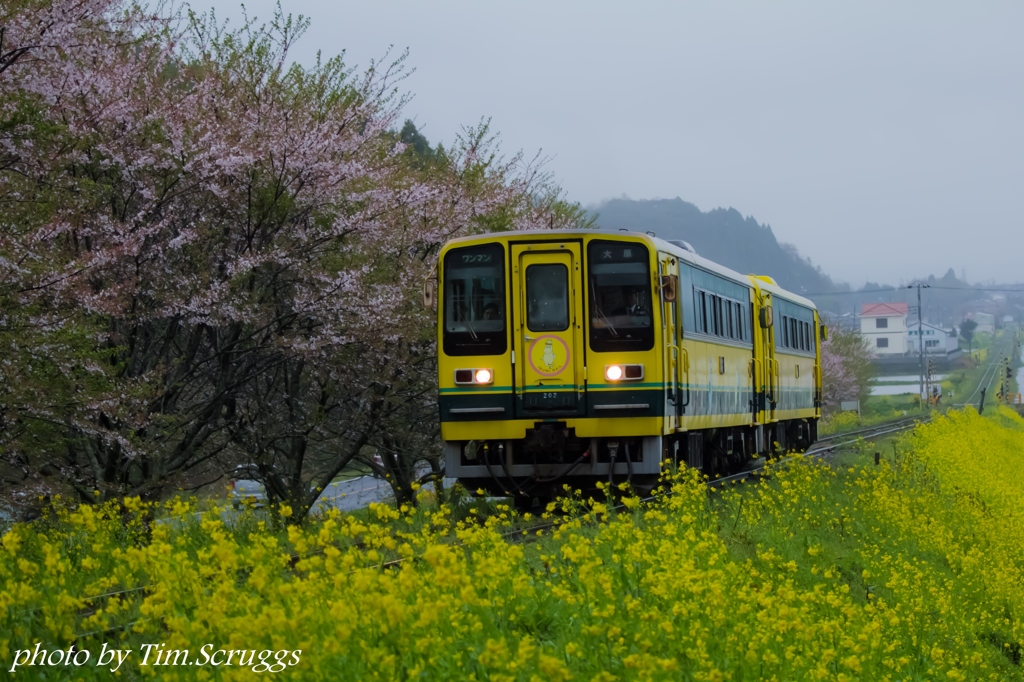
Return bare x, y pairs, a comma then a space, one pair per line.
472, 332
597, 306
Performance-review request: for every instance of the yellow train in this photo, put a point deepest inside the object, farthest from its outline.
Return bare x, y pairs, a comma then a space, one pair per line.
581, 356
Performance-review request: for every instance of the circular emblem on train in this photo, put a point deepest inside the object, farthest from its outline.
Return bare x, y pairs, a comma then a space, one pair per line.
548, 355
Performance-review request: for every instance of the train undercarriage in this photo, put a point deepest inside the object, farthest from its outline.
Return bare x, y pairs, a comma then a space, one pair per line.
536, 468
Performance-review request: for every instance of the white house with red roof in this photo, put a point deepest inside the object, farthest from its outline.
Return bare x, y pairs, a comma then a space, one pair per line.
884, 327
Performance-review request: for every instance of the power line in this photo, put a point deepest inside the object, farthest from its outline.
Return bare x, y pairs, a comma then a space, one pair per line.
895, 289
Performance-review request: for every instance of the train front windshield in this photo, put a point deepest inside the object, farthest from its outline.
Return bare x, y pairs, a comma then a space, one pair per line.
474, 301
621, 309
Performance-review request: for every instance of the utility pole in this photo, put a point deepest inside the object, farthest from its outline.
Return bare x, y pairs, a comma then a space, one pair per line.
920, 336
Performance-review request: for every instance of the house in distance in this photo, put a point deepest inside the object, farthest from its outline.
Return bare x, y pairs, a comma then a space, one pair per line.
937, 341
883, 326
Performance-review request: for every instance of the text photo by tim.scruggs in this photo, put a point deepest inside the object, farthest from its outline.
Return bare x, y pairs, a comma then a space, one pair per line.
154, 655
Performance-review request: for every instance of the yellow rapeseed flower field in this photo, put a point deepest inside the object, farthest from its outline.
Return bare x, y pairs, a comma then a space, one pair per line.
911, 570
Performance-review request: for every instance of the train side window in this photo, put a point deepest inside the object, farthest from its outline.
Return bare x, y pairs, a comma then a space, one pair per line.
741, 333
729, 329
700, 311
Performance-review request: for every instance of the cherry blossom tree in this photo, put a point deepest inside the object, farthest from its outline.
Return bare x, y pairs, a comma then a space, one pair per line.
846, 369
70, 73
210, 255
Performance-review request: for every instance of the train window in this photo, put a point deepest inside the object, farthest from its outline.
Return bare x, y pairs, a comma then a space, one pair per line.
796, 334
547, 297
619, 288
701, 311
741, 333
730, 330
473, 308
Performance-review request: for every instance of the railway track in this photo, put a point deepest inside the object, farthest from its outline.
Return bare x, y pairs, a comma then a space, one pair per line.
828, 445
989, 375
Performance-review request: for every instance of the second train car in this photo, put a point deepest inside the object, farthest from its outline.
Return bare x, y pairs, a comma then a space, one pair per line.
584, 356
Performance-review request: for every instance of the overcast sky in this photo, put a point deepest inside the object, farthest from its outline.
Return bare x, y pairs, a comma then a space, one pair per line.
885, 140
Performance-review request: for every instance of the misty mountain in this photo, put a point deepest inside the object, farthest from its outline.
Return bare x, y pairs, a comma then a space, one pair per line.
721, 235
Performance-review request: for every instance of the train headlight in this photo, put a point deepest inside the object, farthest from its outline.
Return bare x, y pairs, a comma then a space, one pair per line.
623, 372
474, 376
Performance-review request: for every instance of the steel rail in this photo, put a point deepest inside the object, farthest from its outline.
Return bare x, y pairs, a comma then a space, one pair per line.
993, 366
817, 453
843, 434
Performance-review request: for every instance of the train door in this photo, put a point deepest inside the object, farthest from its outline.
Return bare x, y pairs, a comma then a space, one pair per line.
771, 365
819, 331
548, 336
668, 284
